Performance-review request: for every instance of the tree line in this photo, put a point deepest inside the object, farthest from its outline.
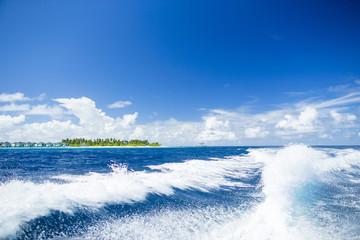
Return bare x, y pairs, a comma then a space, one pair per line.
108, 142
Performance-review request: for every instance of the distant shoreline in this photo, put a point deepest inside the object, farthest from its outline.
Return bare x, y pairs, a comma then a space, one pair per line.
98, 147
81, 142
75, 147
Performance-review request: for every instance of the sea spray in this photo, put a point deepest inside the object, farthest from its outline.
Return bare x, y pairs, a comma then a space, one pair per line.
284, 172
22, 201
286, 175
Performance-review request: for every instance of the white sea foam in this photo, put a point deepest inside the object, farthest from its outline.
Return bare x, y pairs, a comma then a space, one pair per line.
285, 172
22, 201
187, 223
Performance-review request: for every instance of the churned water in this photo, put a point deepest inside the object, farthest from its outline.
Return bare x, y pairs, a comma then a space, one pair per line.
292, 192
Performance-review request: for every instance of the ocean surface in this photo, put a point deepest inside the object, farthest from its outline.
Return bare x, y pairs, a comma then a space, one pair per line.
292, 192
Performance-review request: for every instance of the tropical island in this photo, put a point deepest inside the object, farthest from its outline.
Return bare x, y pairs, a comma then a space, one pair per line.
111, 142
82, 142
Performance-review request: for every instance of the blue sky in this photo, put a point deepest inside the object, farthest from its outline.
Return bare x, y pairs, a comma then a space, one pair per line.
188, 71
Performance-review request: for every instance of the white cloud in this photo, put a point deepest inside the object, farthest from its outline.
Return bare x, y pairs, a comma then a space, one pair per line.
336, 116
84, 109
13, 97
170, 132
41, 97
138, 133
48, 131
346, 117
120, 104
44, 109
350, 117
224, 112
216, 130
27, 109
212, 123
15, 108
173, 132
7, 121
256, 132
324, 135
304, 123
127, 119
350, 98
94, 120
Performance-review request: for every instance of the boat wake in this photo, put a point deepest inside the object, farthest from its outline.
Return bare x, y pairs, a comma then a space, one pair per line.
303, 193
22, 201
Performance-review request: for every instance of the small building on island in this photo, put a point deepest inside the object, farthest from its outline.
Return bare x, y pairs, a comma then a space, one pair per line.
19, 144
33, 144
40, 144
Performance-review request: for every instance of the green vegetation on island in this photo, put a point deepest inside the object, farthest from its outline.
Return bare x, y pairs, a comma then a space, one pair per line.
78, 142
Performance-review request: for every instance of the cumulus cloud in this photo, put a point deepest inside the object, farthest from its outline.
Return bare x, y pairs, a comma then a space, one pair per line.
256, 132
138, 133
174, 132
7, 121
120, 104
127, 119
87, 113
216, 130
84, 109
346, 117
304, 123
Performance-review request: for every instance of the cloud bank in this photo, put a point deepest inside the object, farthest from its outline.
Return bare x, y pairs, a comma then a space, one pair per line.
331, 121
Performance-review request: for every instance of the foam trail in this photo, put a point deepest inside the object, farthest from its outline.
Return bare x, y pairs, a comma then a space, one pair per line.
287, 171
22, 201
186, 223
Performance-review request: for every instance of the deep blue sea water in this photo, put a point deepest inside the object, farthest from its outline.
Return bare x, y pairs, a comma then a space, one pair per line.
293, 192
